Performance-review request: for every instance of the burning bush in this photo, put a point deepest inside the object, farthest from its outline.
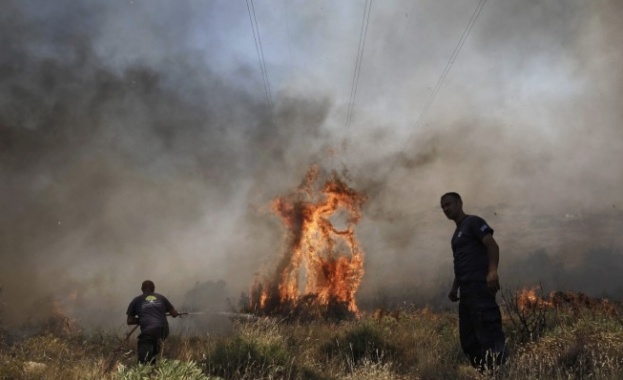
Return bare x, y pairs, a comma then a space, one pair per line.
527, 311
322, 264
531, 312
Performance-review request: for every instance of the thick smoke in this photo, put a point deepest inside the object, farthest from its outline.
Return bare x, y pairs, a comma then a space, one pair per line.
527, 128
136, 142
116, 172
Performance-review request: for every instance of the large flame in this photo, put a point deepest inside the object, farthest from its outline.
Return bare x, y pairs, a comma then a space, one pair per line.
322, 265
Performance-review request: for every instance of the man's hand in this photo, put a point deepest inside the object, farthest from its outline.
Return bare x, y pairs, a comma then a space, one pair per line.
493, 281
493, 251
453, 295
174, 313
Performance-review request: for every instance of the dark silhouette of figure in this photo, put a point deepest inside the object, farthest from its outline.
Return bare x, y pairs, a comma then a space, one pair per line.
476, 282
149, 311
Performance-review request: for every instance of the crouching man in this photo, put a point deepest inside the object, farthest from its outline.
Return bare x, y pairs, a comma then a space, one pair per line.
149, 311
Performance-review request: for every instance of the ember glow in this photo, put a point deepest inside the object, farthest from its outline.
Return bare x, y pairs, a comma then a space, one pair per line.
322, 264
531, 299
528, 299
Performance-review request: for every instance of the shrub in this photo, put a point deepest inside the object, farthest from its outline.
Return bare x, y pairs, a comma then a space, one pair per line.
528, 313
164, 370
239, 357
362, 342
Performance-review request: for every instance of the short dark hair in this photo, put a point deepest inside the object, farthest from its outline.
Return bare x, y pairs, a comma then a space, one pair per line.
148, 286
453, 195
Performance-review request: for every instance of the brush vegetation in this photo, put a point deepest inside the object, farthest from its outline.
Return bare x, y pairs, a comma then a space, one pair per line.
545, 342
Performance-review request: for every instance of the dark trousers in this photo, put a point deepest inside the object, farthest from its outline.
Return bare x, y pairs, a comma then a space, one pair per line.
149, 342
480, 326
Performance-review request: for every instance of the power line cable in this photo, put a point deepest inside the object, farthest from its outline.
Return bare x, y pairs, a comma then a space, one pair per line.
261, 50
453, 57
446, 70
361, 48
260, 53
259, 39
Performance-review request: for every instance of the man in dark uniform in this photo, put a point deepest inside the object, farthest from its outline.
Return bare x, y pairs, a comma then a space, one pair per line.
149, 310
476, 258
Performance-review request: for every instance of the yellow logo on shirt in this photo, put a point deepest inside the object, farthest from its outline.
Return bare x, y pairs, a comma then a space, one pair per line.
150, 298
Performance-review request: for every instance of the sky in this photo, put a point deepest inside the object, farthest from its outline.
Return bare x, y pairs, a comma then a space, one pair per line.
146, 139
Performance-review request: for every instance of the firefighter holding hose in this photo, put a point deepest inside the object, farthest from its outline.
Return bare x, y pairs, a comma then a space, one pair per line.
149, 311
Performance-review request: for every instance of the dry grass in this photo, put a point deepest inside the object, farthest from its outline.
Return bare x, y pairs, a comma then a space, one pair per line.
402, 344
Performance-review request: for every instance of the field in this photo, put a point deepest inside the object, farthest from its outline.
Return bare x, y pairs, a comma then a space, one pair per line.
558, 336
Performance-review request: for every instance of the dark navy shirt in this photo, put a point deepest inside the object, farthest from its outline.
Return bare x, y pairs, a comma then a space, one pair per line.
471, 260
151, 310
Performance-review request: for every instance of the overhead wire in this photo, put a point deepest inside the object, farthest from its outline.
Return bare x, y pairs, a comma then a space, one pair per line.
260, 53
357, 72
450, 62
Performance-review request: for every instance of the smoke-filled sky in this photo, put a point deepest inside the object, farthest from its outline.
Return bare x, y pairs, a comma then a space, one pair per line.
140, 139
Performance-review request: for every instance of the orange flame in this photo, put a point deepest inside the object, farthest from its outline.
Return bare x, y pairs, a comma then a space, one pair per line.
528, 299
322, 260
58, 322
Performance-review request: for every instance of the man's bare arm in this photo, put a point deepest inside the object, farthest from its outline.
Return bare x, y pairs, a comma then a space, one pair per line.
132, 320
493, 251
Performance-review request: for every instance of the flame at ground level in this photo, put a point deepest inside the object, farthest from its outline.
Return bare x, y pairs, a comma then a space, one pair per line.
531, 299
322, 264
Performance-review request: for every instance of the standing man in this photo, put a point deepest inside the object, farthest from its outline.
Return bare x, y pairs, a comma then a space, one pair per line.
149, 310
476, 258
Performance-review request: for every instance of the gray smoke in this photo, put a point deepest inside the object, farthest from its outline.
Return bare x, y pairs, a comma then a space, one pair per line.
136, 141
